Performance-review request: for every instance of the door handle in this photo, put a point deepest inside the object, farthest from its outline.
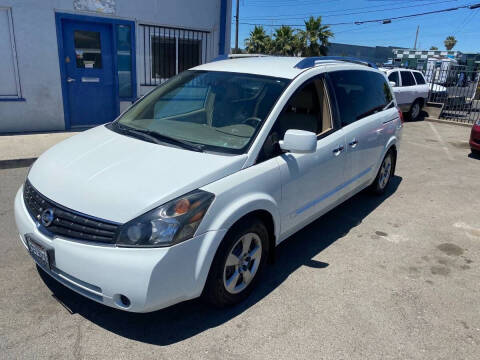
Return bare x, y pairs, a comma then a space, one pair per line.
353, 143
69, 79
338, 150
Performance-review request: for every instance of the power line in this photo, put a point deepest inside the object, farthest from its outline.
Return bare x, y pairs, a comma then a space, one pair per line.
290, 3
344, 14
471, 6
466, 21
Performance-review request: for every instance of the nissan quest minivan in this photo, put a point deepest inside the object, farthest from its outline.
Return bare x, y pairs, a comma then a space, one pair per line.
188, 192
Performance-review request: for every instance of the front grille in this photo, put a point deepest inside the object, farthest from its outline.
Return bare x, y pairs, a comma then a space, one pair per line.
66, 222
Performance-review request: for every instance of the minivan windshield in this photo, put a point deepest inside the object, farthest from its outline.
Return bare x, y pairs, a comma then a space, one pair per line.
218, 111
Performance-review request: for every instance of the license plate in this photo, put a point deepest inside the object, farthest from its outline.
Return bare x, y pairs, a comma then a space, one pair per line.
38, 252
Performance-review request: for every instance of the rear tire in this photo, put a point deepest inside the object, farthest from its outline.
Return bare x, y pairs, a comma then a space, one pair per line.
475, 152
415, 110
238, 263
384, 175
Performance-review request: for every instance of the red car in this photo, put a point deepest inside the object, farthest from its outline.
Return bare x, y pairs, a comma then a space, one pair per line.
475, 139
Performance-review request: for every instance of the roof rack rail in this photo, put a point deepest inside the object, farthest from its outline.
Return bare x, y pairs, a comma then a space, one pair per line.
317, 60
236, 56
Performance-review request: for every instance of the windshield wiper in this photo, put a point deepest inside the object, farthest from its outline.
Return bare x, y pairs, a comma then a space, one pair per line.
158, 138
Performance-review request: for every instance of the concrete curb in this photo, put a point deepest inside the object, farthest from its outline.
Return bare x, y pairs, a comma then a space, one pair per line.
16, 163
448, 122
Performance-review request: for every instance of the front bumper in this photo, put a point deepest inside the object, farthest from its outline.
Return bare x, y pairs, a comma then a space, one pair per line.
151, 278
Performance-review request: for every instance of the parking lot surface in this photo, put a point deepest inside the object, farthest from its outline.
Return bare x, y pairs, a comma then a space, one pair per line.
392, 277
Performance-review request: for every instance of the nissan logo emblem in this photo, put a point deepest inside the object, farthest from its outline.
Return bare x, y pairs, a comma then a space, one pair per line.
47, 217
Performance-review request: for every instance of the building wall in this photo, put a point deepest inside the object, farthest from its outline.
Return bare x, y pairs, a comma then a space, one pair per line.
37, 50
417, 59
471, 61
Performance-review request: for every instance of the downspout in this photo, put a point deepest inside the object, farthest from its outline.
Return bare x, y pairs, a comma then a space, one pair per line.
223, 27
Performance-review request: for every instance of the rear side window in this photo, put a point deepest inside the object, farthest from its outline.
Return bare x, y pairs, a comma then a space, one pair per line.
394, 77
407, 78
419, 78
360, 94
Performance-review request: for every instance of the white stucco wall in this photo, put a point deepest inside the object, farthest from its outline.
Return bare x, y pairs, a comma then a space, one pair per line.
37, 50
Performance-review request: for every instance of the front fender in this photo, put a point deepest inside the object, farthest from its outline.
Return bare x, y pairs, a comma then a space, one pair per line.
255, 188
232, 212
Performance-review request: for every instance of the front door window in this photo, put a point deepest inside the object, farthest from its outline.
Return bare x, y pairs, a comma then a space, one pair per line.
308, 109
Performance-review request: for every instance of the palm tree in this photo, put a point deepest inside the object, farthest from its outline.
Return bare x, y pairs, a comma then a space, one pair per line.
285, 42
314, 39
258, 42
450, 42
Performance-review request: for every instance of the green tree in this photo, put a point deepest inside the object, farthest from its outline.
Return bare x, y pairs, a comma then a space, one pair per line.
258, 42
314, 39
433, 48
285, 41
450, 42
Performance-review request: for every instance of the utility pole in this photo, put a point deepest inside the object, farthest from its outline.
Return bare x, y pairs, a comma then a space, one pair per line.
416, 38
236, 27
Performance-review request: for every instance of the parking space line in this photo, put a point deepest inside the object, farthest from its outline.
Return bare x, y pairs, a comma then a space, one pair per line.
430, 147
440, 139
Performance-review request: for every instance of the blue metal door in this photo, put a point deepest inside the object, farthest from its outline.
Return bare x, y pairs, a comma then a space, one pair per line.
89, 73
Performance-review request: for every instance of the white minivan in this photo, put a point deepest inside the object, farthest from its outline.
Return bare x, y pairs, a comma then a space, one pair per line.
188, 192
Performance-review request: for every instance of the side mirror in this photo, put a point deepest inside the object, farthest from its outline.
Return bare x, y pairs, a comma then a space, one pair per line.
393, 83
299, 141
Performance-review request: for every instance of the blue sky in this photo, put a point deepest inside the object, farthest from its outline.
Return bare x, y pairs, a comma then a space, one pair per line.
434, 28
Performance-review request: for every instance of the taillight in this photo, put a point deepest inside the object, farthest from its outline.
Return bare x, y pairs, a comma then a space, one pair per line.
400, 114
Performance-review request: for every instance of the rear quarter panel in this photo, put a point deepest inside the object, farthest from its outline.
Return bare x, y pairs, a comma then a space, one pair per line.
423, 92
392, 135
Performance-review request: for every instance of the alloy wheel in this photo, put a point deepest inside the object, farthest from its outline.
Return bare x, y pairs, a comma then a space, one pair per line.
385, 172
242, 263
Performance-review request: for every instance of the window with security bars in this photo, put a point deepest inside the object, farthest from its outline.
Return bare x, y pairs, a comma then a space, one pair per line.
169, 51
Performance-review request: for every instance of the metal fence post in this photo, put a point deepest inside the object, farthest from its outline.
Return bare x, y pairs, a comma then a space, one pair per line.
432, 81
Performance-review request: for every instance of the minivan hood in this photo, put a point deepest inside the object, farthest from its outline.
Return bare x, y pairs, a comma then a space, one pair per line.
117, 178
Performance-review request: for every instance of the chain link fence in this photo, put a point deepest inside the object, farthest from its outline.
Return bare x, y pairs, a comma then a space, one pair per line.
456, 91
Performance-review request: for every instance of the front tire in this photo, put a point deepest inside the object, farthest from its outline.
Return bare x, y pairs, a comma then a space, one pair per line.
385, 173
238, 263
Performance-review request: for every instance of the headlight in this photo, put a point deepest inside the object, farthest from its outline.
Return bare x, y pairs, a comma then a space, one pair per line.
169, 224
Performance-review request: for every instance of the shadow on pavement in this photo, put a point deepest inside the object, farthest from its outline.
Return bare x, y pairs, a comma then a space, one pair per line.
190, 318
423, 114
16, 163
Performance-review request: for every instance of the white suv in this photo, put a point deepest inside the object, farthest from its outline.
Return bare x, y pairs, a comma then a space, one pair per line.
190, 190
410, 89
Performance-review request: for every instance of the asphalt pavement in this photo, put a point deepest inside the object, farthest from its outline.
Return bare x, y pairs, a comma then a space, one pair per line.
392, 277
